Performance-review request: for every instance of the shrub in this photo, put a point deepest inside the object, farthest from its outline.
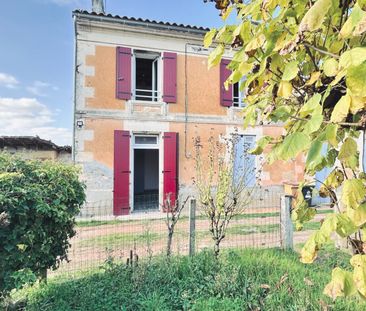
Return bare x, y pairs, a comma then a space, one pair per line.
38, 205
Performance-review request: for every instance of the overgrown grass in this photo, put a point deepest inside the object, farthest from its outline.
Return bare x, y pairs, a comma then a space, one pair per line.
241, 280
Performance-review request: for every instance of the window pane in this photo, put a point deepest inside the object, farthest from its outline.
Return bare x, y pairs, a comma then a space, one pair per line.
145, 140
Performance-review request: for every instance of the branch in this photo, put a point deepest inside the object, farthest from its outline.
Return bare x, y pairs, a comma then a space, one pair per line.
320, 50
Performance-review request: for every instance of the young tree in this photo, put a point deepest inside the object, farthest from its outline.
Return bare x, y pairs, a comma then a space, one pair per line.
173, 211
305, 66
223, 190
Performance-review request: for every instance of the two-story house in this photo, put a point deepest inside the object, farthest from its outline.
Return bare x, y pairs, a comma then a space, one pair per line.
143, 91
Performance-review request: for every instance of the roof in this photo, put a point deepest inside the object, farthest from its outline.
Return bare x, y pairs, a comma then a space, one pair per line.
31, 142
144, 22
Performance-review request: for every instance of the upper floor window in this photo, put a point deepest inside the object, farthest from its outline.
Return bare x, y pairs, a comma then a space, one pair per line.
238, 95
146, 76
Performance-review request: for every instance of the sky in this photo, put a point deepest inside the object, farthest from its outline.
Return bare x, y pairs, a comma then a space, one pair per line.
37, 55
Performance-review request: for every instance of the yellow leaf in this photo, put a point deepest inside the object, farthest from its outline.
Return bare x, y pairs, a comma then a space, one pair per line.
341, 285
341, 109
360, 27
314, 18
255, 43
357, 215
207, 41
354, 18
285, 89
330, 67
313, 78
215, 56
357, 104
353, 192
359, 273
353, 57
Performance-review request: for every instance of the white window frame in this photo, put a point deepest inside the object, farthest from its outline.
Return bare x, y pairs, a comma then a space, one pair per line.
238, 102
145, 146
157, 94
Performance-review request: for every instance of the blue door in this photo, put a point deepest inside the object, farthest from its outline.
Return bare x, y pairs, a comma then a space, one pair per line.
320, 178
244, 163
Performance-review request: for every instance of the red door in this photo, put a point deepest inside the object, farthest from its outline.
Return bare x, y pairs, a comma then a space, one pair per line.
122, 172
170, 172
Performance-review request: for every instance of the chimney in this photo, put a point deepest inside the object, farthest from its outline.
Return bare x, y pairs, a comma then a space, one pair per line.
98, 6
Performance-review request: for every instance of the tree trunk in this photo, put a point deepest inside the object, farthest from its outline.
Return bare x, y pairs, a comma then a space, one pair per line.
217, 248
169, 243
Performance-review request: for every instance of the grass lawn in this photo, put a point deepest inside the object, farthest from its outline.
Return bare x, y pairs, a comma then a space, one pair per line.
250, 279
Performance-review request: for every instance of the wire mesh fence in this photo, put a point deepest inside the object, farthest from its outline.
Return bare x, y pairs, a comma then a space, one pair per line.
101, 236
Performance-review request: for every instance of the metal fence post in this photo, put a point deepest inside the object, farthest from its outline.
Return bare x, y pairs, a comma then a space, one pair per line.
287, 230
192, 226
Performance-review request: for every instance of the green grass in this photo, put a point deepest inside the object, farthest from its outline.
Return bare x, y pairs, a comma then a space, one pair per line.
97, 223
250, 229
240, 280
118, 239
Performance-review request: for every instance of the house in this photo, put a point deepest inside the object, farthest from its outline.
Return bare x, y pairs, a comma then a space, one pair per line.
33, 147
143, 91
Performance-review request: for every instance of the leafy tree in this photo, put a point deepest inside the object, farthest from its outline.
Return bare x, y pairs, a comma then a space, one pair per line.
38, 205
305, 67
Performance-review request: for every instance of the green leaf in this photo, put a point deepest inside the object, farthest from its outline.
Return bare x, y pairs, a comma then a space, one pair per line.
261, 144
207, 41
356, 80
341, 285
291, 71
215, 56
314, 157
313, 124
345, 225
314, 18
341, 109
311, 105
353, 57
331, 134
293, 145
353, 192
330, 67
348, 153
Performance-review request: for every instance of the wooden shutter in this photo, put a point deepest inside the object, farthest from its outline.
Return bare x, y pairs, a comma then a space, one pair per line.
121, 193
170, 77
226, 96
123, 73
170, 172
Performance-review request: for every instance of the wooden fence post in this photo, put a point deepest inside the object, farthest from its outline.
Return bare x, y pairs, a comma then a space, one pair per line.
287, 229
192, 226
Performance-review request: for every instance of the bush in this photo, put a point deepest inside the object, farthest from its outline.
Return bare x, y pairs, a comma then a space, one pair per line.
38, 205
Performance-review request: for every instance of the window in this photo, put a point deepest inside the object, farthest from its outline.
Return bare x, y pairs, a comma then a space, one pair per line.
146, 80
238, 95
145, 141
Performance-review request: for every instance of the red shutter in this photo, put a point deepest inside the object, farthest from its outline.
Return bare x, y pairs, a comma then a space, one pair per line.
170, 187
121, 197
226, 97
170, 77
123, 77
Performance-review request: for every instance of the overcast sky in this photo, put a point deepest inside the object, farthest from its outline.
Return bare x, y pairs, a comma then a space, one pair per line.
36, 57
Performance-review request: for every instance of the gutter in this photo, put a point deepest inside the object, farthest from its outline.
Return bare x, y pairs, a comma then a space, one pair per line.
147, 24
